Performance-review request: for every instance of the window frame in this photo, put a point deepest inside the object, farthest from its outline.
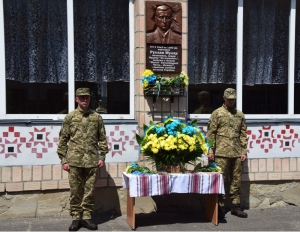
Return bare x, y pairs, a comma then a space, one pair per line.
71, 70
239, 65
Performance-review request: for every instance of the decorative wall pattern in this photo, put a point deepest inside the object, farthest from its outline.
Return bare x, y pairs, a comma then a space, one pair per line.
268, 141
272, 141
36, 145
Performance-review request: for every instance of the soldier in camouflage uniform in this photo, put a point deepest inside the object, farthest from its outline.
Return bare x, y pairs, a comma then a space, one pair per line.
82, 148
227, 126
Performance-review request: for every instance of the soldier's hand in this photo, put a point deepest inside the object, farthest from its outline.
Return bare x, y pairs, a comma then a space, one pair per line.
66, 167
100, 163
210, 157
243, 157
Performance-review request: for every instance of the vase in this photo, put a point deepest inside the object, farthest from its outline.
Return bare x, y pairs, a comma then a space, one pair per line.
173, 168
170, 169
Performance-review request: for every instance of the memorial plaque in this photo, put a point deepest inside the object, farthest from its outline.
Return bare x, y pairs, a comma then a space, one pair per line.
163, 58
163, 36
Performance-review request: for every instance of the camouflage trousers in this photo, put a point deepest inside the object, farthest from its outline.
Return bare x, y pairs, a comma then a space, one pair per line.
232, 168
82, 187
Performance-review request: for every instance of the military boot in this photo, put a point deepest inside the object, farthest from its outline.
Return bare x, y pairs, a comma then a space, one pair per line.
75, 225
236, 210
89, 224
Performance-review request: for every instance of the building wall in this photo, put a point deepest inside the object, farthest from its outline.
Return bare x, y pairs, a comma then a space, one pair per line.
273, 156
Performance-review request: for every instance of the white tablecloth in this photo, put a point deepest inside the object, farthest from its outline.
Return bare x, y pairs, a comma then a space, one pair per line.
155, 184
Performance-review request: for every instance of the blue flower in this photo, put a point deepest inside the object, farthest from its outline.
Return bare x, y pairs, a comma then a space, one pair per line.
150, 79
213, 164
144, 79
160, 130
134, 165
172, 128
137, 173
189, 130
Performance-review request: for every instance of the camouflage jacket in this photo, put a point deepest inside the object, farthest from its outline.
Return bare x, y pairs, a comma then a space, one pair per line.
228, 129
82, 139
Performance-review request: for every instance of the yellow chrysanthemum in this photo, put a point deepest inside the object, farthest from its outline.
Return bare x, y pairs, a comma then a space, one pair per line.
154, 150
147, 73
156, 144
192, 148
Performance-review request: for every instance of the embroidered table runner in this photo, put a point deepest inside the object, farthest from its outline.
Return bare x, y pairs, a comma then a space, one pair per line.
156, 184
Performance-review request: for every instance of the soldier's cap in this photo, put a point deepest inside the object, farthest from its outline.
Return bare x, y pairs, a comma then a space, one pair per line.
230, 93
83, 92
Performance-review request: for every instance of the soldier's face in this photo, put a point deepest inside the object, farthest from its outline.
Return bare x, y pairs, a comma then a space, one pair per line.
83, 101
163, 19
229, 103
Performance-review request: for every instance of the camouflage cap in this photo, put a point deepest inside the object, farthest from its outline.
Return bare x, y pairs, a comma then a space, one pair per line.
230, 93
82, 91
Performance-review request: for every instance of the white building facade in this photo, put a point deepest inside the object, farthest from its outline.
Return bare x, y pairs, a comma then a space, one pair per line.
50, 48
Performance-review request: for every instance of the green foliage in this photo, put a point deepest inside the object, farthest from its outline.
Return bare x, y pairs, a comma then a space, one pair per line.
211, 167
138, 138
134, 168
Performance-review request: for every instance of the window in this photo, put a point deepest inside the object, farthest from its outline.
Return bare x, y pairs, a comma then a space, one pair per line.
297, 61
48, 56
265, 56
211, 53
265, 74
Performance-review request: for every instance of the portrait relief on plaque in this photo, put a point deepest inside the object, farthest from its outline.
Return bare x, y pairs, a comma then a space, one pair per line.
163, 36
163, 23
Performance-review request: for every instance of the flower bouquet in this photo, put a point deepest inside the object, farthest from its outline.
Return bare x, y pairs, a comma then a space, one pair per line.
136, 169
156, 85
173, 142
211, 167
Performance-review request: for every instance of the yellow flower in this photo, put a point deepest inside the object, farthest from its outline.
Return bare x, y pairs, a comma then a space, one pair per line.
154, 150
147, 73
185, 77
128, 169
218, 169
204, 148
192, 148
156, 144
145, 84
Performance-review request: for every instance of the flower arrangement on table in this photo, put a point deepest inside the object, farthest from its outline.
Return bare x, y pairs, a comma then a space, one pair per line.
136, 169
173, 142
155, 84
211, 167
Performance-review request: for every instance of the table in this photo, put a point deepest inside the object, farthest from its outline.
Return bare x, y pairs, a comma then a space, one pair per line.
209, 183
